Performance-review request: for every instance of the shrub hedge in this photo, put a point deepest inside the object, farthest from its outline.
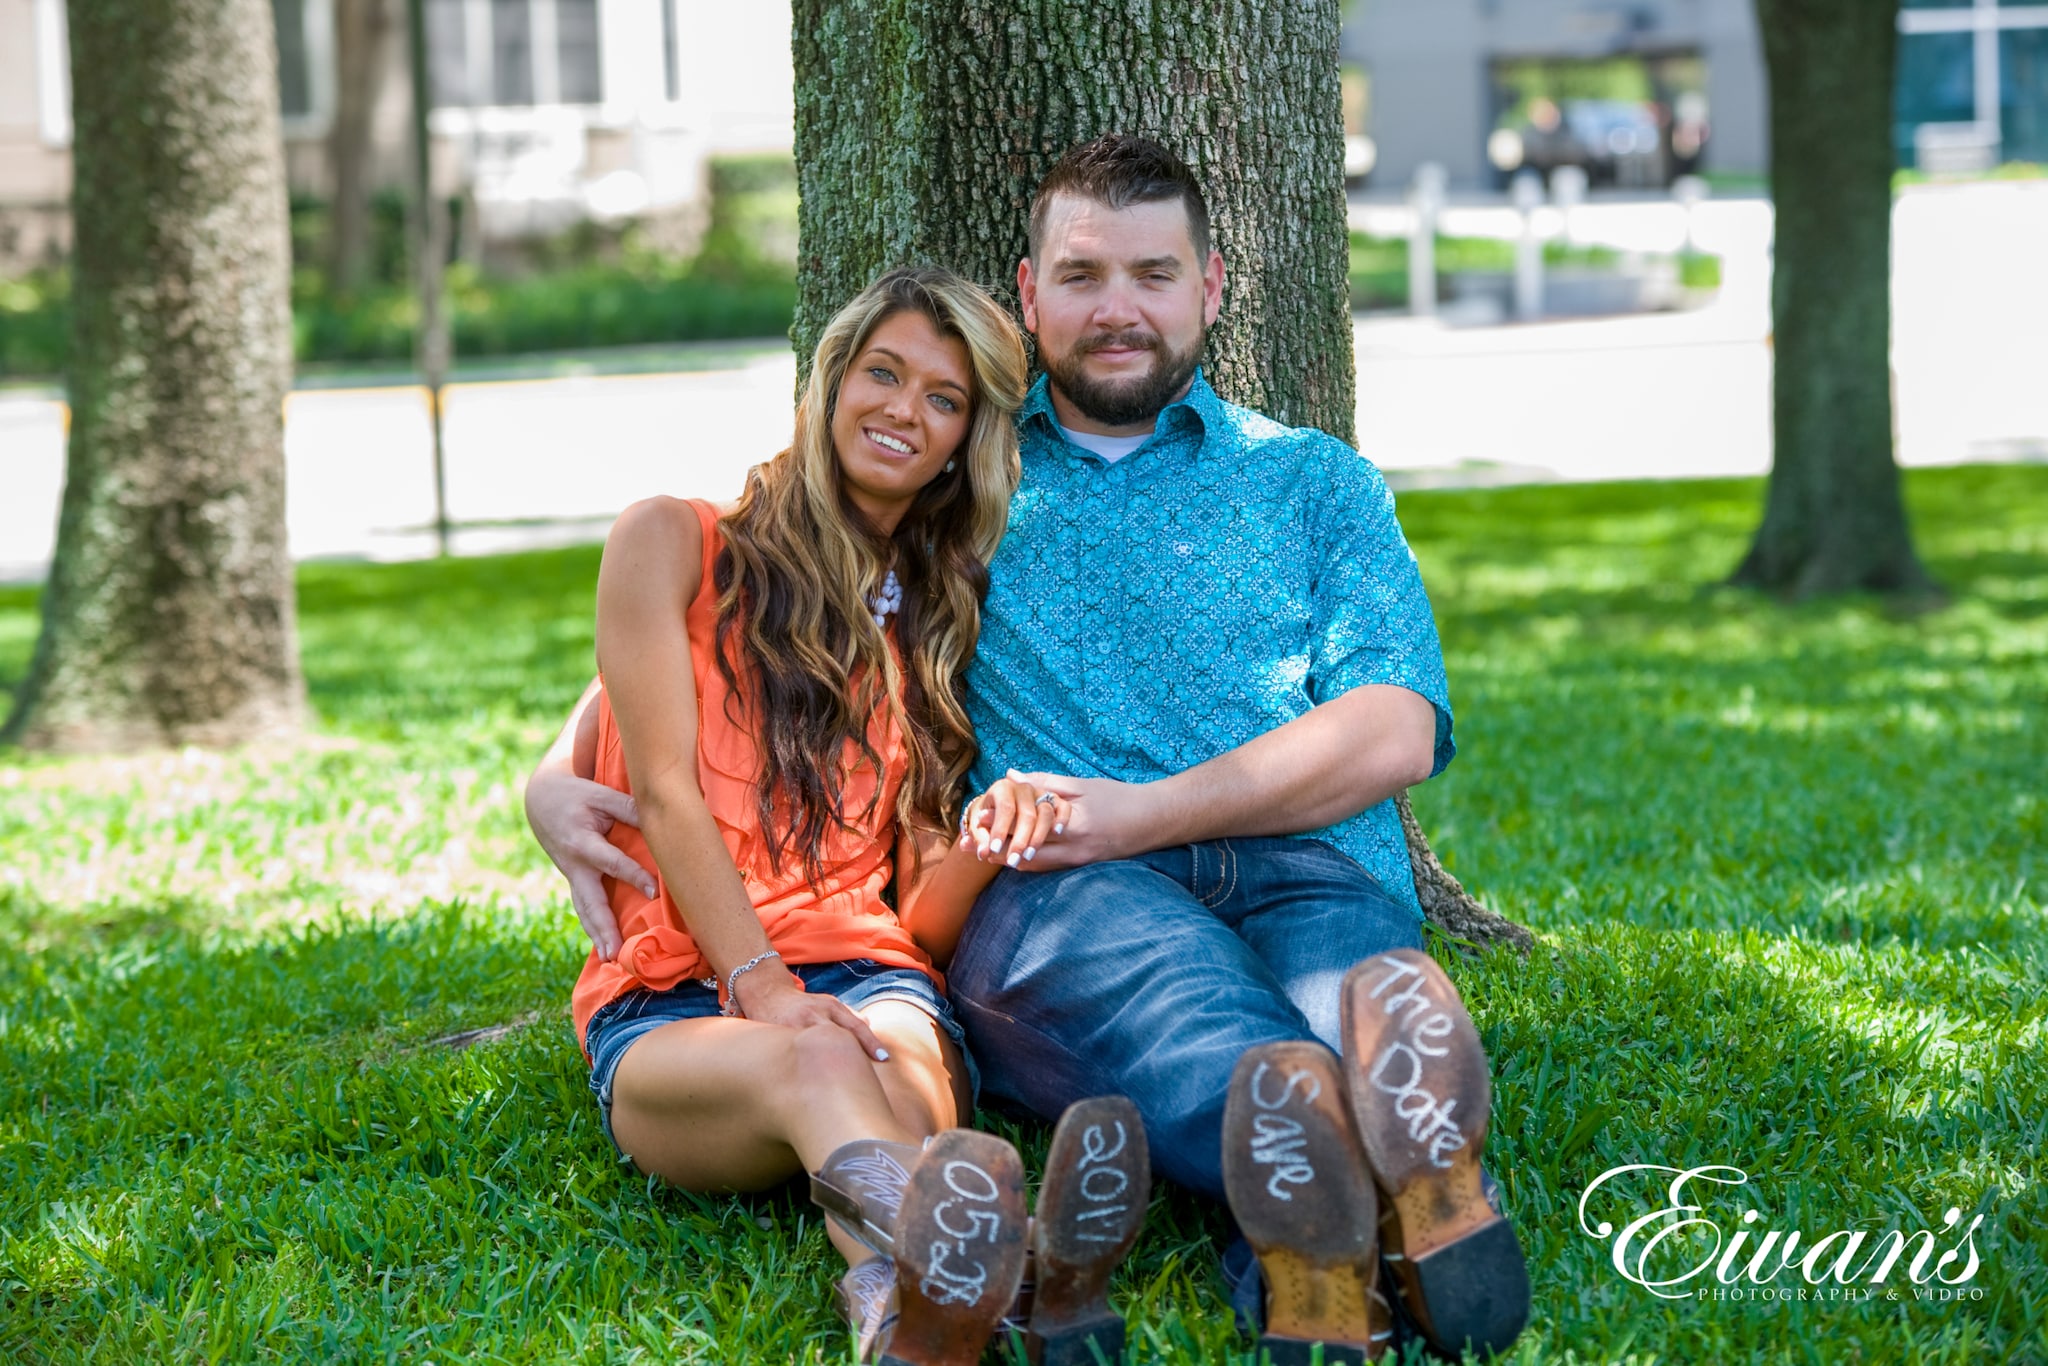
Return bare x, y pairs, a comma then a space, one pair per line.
1379, 265
591, 286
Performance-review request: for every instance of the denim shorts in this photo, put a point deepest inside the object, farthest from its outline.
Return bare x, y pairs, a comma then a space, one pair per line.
858, 982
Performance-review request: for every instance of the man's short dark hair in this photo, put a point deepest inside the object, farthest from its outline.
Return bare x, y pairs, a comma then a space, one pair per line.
1119, 170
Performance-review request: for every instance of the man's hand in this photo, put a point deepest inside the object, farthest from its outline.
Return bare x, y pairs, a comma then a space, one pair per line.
1325, 766
571, 816
1011, 817
1108, 820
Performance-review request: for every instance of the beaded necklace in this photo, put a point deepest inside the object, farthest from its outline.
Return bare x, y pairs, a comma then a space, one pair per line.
888, 600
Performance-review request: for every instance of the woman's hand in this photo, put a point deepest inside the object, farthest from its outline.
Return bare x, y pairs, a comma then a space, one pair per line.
771, 994
1008, 823
1107, 819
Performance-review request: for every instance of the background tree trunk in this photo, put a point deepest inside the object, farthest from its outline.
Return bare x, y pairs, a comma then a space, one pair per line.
168, 618
1833, 520
923, 127
362, 30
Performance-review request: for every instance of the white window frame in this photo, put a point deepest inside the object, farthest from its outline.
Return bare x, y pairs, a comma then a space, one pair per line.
316, 22
544, 51
53, 73
1985, 20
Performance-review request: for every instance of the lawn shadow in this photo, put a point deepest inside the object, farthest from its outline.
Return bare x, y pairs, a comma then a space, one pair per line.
1784, 858
1723, 760
228, 1116
274, 1121
1853, 1097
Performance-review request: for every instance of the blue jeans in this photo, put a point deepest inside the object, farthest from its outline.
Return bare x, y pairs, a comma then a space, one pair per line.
1149, 977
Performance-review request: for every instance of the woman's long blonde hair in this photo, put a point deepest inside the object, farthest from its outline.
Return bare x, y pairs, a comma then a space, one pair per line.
800, 562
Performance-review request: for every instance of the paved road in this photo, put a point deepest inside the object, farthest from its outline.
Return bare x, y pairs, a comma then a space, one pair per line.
1654, 396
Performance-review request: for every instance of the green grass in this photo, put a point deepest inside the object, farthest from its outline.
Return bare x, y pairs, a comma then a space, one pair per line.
1785, 863
2005, 170
592, 305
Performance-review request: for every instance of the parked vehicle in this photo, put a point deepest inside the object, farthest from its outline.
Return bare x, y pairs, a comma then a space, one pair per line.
1616, 142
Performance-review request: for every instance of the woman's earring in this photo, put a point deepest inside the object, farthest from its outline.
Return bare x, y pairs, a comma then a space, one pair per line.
949, 467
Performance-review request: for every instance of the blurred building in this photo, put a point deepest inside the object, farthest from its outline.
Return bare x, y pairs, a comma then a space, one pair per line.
546, 111
1973, 83
35, 132
1640, 91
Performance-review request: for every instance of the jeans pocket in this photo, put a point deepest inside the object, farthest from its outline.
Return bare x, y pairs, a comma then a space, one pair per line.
604, 1017
1225, 861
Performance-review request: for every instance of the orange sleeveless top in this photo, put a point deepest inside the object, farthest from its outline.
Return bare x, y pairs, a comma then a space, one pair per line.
841, 917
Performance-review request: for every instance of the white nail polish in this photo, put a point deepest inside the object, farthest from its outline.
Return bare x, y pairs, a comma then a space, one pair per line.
1030, 854
1013, 860
1059, 829
996, 848
881, 1055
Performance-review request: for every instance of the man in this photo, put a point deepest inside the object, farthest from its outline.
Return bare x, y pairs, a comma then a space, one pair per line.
1208, 631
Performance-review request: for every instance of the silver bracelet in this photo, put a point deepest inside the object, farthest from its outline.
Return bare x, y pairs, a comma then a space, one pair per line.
732, 983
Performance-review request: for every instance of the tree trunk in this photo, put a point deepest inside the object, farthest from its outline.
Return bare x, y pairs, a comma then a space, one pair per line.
1834, 520
361, 31
922, 129
168, 618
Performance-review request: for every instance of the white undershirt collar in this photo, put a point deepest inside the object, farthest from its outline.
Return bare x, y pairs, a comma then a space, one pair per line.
1110, 448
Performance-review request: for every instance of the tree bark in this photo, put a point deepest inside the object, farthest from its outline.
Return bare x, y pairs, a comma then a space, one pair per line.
923, 127
1834, 520
361, 31
168, 617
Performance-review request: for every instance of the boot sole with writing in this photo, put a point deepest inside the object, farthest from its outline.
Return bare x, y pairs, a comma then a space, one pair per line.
959, 1249
1298, 1185
1419, 1090
1098, 1180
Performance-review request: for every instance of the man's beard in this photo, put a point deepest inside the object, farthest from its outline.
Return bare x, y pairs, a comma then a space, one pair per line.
1124, 402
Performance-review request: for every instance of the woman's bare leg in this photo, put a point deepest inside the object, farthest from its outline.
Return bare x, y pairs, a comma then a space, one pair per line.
925, 1078
717, 1104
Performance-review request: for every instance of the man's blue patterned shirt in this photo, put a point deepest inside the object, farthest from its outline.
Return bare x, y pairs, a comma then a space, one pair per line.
1148, 615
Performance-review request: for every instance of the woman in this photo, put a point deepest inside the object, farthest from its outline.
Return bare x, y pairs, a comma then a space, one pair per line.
782, 684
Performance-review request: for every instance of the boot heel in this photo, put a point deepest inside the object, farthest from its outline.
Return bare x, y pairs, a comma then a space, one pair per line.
1098, 1181
1420, 1093
1080, 1344
1478, 1288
